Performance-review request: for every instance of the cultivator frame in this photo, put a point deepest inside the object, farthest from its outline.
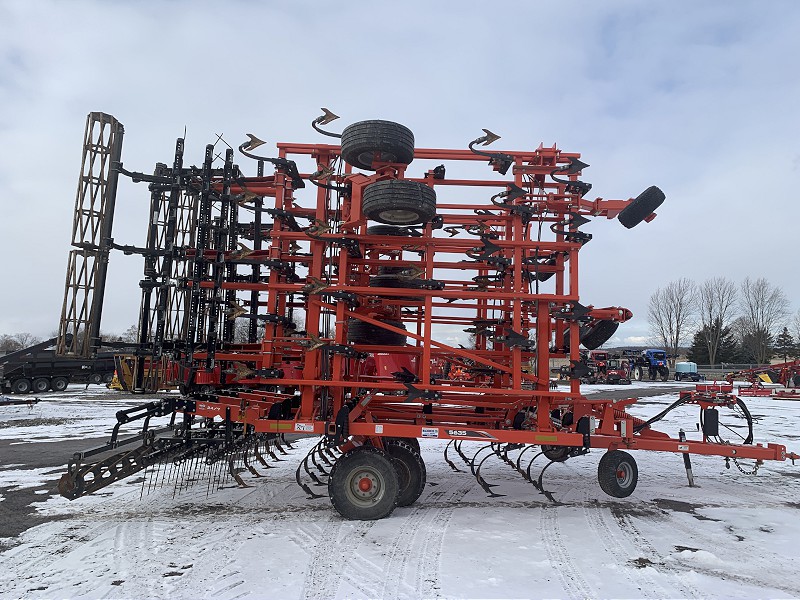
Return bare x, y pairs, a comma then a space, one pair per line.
495, 255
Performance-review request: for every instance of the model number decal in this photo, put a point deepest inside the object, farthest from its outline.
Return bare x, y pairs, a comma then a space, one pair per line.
430, 432
303, 427
470, 433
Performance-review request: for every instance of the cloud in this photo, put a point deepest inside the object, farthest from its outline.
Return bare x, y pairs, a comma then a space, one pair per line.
693, 97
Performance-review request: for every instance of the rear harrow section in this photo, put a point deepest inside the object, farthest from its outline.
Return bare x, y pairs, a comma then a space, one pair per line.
321, 299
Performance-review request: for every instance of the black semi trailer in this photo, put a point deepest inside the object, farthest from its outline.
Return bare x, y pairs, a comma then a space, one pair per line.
37, 369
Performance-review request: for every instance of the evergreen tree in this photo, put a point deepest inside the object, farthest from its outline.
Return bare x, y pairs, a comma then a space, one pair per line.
784, 345
728, 350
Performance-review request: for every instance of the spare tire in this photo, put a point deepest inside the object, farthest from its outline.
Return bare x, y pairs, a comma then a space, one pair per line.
642, 207
390, 280
387, 141
595, 336
399, 202
361, 332
598, 334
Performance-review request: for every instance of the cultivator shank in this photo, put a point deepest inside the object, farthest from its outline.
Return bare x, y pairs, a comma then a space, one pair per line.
327, 298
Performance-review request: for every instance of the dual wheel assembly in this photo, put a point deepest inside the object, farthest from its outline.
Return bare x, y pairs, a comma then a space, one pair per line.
367, 483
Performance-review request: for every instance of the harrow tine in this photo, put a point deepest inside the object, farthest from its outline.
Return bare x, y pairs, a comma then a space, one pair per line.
540, 486
447, 459
528, 471
487, 487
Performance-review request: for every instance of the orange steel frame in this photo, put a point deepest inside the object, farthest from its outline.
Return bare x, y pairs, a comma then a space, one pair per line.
491, 279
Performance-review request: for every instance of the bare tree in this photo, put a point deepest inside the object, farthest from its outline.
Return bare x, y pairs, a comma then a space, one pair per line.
671, 312
796, 325
764, 308
716, 299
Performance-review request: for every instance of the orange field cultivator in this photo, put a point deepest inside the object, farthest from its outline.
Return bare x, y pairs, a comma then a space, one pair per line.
322, 299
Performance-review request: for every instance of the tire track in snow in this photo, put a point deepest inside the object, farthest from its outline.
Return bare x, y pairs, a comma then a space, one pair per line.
574, 583
610, 538
416, 549
332, 560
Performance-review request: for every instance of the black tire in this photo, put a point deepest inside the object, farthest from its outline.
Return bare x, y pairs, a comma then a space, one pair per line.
663, 373
363, 484
598, 334
411, 473
21, 386
362, 140
59, 384
399, 202
40, 385
617, 474
642, 207
638, 373
393, 281
359, 332
556, 453
95, 379
108, 377
390, 270
392, 230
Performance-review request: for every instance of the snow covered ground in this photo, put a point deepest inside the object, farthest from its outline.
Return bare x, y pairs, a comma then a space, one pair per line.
733, 536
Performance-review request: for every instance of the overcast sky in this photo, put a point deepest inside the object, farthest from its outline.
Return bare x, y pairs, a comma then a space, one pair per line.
699, 98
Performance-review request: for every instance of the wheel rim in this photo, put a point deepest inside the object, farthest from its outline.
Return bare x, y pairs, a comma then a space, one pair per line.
624, 475
399, 215
365, 487
367, 158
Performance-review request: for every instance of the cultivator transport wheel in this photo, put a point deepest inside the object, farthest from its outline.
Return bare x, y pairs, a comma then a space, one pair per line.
399, 202
617, 474
411, 473
366, 142
363, 484
642, 207
359, 332
40, 385
21, 386
556, 453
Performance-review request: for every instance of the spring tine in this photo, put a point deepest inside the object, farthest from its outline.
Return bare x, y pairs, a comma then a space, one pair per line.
487, 487
332, 451
528, 471
306, 489
249, 466
309, 472
260, 457
286, 442
235, 474
475, 457
314, 460
321, 452
279, 448
540, 487
518, 466
457, 447
272, 454
448, 461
